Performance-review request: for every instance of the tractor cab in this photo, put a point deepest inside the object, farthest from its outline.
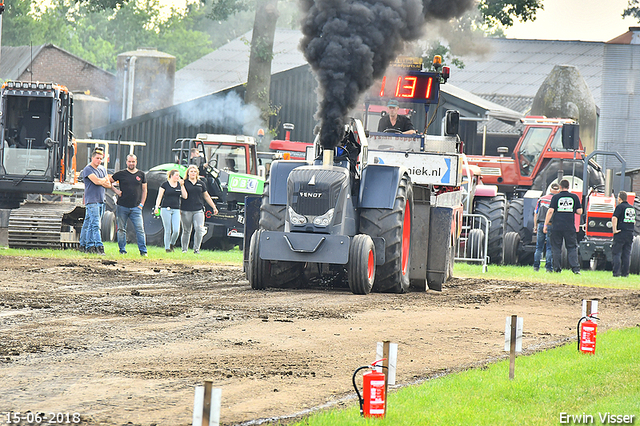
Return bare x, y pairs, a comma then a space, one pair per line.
545, 147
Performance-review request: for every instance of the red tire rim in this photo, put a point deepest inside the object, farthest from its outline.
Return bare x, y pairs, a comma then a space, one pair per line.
370, 266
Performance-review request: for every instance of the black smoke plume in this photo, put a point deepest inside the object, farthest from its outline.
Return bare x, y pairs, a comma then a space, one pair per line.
350, 43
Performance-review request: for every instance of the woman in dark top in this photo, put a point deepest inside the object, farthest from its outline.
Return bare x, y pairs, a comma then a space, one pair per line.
194, 195
168, 203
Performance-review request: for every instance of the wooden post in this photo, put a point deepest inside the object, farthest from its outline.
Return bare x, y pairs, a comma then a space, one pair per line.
206, 405
512, 349
206, 408
385, 363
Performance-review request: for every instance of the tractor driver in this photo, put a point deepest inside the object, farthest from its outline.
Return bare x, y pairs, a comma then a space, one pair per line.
392, 122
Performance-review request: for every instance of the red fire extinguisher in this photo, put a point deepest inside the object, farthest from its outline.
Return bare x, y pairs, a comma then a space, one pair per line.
373, 401
587, 332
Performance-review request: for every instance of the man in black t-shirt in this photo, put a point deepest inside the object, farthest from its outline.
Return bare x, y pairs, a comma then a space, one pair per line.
623, 221
131, 197
395, 122
562, 209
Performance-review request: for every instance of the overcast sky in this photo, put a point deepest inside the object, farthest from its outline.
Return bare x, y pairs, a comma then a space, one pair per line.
586, 20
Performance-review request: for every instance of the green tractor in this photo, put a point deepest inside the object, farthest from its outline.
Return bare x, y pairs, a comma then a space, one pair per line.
229, 166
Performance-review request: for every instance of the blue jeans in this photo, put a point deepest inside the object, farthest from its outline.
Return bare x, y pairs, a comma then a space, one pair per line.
171, 223
91, 226
135, 214
541, 239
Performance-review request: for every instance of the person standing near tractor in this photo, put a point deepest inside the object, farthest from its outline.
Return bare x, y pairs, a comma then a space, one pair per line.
95, 180
623, 221
562, 210
168, 204
131, 197
539, 216
194, 195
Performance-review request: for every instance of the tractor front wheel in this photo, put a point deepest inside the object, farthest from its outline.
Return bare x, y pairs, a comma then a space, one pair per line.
361, 269
258, 269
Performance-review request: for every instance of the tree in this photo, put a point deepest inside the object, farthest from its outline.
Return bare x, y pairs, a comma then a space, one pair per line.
633, 9
98, 31
505, 11
494, 13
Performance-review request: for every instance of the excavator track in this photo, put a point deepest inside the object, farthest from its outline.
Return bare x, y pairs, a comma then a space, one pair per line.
37, 225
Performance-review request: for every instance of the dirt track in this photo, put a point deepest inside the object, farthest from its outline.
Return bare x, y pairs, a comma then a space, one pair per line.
127, 341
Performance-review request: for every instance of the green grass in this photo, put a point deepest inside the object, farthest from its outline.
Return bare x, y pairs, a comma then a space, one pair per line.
526, 273
560, 380
233, 257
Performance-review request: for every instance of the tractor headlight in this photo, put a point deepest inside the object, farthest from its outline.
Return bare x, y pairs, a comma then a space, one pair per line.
609, 224
592, 223
325, 219
295, 218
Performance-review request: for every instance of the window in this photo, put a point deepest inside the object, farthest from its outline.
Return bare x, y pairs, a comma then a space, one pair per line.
531, 148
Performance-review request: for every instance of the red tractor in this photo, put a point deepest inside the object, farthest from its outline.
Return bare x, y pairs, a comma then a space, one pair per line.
547, 149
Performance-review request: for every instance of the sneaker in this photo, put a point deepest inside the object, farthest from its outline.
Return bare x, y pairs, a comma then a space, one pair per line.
144, 254
82, 249
549, 271
536, 269
577, 272
196, 251
184, 251
100, 250
168, 250
123, 252
91, 250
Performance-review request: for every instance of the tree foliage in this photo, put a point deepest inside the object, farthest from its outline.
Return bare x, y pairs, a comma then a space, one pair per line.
98, 31
633, 10
503, 12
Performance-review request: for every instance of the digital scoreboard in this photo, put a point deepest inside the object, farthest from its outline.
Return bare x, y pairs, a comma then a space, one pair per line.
412, 86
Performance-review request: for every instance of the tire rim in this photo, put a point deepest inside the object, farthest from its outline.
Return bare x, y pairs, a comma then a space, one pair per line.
370, 266
406, 238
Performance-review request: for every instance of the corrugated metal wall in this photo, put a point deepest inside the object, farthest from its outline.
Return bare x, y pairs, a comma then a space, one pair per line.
293, 91
619, 128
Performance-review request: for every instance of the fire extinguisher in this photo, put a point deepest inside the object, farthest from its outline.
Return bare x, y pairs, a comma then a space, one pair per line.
373, 401
587, 331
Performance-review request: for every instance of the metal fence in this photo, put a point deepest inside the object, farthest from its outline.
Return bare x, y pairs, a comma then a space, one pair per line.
473, 244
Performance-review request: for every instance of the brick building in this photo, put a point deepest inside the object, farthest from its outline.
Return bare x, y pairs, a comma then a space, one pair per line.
51, 63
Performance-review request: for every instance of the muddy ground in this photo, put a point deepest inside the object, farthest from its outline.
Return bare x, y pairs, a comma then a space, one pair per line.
125, 342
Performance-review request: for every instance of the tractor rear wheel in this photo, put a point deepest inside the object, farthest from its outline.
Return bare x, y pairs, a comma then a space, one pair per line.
494, 209
634, 263
394, 225
515, 223
511, 247
636, 204
361, 268
153, 227
281, 274
271, 216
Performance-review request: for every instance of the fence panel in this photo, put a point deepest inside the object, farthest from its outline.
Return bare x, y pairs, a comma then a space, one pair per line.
473, 244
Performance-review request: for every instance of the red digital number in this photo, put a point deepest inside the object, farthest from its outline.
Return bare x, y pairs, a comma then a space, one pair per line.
428, 92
